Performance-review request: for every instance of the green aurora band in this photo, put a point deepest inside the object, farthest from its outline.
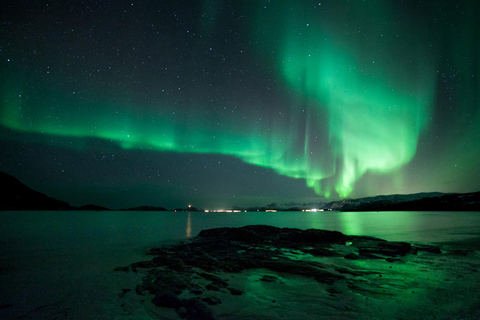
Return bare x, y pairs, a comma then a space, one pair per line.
376, 109
355, 106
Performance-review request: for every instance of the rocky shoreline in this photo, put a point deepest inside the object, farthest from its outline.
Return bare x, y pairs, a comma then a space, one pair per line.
204, 277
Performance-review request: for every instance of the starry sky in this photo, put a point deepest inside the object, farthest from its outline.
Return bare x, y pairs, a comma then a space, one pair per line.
220, 103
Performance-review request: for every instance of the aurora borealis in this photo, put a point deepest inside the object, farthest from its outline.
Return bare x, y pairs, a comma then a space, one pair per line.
239, 102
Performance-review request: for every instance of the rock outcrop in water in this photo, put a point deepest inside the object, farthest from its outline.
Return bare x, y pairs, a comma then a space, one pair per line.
192, 277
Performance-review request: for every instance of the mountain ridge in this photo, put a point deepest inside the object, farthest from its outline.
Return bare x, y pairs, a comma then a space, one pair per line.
17, 196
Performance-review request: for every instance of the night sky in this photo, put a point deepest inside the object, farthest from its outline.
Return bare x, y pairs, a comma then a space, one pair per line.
220, 103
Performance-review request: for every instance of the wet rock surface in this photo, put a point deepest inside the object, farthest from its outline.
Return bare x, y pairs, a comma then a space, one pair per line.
189, 277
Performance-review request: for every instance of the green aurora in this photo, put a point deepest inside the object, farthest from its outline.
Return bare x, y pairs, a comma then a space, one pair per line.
355, 95
375, 110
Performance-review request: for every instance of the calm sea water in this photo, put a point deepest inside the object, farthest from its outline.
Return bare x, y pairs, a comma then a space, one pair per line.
48, 257
85, 232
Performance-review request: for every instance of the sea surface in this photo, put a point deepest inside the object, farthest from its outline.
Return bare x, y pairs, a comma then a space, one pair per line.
54, 264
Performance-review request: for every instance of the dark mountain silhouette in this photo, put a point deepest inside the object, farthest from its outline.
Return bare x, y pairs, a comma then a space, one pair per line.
433, 201
189, 209
17, 196
92, 207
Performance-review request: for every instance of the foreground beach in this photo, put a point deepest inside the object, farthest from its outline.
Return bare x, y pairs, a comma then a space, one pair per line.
264, 272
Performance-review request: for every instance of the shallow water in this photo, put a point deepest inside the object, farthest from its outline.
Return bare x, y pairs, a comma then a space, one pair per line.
51, 258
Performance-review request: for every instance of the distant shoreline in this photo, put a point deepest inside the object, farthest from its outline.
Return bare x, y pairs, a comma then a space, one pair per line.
20, 197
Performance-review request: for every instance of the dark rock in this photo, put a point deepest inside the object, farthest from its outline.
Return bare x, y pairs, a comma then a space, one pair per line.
435, 249
204, 261
352, 256
269, 278
167, 299
182, 312
161, 260
235, 292
318, 236
157, 251
212, 287
196, 291
322, 252
234, 266
402, 248
197, 310
460, 252
176, 268
143, 264
333, 290
392, 260
175, 282
176, 264
247, 235
344, 270
211, 301
302, 268
215, 279
375, 253
383, 249
429, 248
